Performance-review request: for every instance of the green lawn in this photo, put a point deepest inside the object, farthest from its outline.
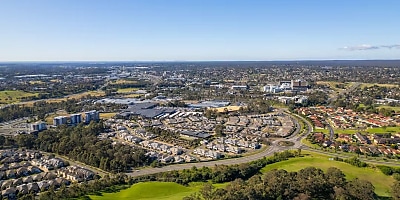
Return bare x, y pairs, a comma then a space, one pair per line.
395, 108
12, 96
384, 130
381, 182
154, 191
346, 131
325, 131
309, 144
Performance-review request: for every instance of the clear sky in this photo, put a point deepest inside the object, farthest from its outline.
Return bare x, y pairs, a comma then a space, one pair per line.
169, 30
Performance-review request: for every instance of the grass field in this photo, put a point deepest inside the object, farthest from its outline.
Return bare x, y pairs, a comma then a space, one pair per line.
384, 130
346, 131
332, 84
13, 96
325, 131
126, 90
369, 130
363, 85
91, 93
132, 96
381, 182
154, 191
396, 109
122, 81
229, 108
107, 115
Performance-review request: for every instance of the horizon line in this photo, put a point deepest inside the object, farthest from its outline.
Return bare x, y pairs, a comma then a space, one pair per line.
171, 61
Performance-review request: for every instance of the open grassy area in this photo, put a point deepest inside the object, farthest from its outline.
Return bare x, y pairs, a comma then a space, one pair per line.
333, 84
346, 131
309, 144
384, 130
91, 93
154, 190
122, 81
381, 182
107, 115
13, 96
396, 109
132, 95
325, 131
229, 108
126, 90
364, 85
369, 130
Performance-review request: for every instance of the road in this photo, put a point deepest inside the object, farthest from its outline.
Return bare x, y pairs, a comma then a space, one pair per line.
348, 90
275, 147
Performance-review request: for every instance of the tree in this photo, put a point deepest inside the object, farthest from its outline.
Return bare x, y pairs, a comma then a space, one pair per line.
207, 191
360, 189
396, 190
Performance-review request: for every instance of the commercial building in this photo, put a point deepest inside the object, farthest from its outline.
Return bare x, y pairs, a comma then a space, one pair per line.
240, 87
92, 116
299, 85
209, 104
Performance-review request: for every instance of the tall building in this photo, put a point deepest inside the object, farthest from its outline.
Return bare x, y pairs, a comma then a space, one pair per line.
92, 116
76, 118
38, 126
299, 84
60, 120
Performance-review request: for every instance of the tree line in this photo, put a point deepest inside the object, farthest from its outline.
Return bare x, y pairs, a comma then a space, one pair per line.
308, 183
82, 144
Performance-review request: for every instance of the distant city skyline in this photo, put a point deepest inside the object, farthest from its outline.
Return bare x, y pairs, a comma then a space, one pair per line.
207, 30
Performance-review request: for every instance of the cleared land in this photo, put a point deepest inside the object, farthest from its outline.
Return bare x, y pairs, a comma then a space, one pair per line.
154, 190
381, 182
122, 81
107, 115
49, 118
334, 85
13, 96
126, 90
228, 108
72, 96
132, 96
91, 93
363, 85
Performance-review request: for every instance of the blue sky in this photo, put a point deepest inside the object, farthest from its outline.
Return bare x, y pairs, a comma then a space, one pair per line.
168, 30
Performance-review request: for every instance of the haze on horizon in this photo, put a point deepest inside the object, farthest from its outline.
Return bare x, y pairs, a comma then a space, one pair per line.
158, 30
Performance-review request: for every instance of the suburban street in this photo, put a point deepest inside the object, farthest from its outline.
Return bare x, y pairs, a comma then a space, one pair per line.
275, 147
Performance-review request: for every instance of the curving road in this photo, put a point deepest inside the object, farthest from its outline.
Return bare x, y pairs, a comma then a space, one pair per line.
295, 138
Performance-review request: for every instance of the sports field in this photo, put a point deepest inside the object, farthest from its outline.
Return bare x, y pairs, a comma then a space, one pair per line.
154, 191
381, 182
